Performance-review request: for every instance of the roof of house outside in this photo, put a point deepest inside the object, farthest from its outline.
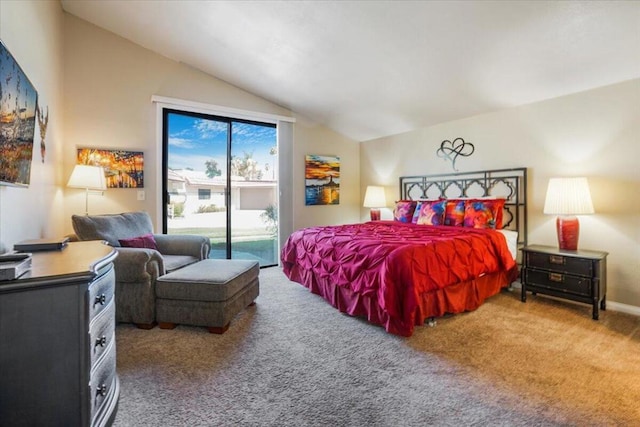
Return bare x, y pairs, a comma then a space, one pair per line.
200, 179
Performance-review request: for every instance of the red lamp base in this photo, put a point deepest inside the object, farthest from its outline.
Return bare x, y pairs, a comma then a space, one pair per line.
568, 229
375, 214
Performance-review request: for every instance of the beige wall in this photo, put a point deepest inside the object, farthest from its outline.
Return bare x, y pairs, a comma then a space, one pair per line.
109, 84
312, 139
32, 31
594, 134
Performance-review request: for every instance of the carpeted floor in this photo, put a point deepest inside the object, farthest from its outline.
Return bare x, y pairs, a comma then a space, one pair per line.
293, 360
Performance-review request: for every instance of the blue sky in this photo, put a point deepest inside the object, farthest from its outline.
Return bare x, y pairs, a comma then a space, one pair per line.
193, 141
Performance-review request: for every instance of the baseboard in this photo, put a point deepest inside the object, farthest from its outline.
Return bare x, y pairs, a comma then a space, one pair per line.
611, 305
623, 308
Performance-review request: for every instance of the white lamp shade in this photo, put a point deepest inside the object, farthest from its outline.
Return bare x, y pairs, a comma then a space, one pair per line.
568, 196
374, 197
88, 177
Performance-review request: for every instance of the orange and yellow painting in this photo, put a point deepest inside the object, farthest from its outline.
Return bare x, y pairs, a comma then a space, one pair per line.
123, 169
322, 180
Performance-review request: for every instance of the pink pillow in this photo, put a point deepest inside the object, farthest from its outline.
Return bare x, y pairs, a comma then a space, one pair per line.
429, 213
144, 241
454, 212
484, 213
403, 211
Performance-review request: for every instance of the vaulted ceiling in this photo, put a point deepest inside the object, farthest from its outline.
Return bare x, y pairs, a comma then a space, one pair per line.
368, 69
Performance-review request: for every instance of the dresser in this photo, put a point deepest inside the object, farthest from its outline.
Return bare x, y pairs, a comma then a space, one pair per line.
574, 275
57, 340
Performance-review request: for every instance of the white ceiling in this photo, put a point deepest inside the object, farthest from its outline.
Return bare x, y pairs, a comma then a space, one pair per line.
369, 69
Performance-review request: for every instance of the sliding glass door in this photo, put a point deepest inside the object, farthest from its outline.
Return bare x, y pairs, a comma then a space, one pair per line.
220, 181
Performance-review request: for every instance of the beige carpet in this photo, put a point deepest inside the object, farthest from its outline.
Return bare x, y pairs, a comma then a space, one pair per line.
292, 360
548, 351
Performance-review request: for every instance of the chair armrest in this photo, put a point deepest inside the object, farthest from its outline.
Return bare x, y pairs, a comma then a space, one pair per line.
183, 244
138, 264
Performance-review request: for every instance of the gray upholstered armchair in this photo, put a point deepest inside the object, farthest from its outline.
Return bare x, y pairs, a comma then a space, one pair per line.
137, 268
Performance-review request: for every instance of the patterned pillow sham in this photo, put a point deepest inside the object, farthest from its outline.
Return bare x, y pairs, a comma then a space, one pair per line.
404, 210
429, 212
484, 213
454, 212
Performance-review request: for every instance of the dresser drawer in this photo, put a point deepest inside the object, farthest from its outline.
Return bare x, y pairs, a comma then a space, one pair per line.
562, 282
101, 331
103, 377
101, 292
560, 263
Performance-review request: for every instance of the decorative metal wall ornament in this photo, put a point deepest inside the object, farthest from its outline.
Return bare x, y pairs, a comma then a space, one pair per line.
451, 150
43, 121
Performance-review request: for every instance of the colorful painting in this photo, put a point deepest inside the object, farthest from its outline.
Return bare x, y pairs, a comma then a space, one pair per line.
123, 169
18, 103
322, 180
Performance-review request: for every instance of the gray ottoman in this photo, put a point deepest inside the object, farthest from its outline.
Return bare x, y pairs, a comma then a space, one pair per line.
208, 293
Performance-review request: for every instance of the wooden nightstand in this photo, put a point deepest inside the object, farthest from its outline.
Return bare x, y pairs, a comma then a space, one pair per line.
575, 275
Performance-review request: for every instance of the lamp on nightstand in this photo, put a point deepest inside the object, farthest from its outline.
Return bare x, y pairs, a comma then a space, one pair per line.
374, 198
568, 197
89, 178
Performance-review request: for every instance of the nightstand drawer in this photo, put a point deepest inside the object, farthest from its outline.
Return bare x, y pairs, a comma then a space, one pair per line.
559, 281
560, 263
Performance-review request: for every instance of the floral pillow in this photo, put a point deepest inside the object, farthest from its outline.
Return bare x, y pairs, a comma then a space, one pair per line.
416, 213
404, 210
429, 213
454, 212
484, 213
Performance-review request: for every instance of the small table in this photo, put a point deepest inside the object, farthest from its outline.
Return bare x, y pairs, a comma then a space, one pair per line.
574, 275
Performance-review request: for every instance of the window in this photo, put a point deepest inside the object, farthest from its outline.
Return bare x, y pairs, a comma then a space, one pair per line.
235, 160
241, 196
204, 194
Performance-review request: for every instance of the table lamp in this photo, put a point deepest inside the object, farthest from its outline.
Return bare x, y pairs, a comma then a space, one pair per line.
374, 198
89, 178
568, 197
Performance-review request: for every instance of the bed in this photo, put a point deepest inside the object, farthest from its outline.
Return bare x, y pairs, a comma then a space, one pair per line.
456, 249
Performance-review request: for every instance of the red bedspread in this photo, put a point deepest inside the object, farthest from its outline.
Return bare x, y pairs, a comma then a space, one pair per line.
392, 265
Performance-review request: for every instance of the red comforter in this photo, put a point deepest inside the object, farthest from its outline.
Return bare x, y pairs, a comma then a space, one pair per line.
391, 264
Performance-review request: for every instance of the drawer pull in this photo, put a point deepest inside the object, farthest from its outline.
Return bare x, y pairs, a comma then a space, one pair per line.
102, 341
556, 259
556, 277
100, 299
102, 390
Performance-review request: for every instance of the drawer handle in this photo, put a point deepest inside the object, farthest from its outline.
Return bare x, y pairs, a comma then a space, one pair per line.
556, 259
102, 341
556, 277
100, 299
102, 390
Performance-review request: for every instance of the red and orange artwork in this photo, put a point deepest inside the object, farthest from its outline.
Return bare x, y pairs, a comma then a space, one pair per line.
322, 180
123, 169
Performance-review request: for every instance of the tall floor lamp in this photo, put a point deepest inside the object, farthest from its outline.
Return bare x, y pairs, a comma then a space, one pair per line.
568, 197
90, 178
374, 198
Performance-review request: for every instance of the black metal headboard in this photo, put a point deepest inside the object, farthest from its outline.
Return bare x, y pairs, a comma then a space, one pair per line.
510, 184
